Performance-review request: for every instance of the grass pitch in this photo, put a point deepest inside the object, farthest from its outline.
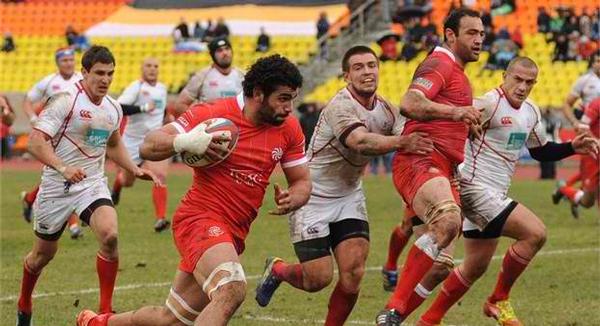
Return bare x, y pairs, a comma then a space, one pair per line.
560, 287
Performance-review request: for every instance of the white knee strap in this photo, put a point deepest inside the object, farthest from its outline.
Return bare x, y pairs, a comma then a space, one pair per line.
183, 304
236, 274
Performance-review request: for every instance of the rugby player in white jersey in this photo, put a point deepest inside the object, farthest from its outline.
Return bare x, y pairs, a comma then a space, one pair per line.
144, 102
355, 125
218, 80
73, 134
65, 77
511, 121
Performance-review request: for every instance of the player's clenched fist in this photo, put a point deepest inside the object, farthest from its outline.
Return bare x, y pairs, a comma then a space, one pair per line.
467, 114
72, 174
198, 140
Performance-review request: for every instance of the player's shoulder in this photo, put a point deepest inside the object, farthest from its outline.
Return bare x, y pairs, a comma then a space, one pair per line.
532, 106
63, 99
437, 61
47, 79
111, 101
341, 100
161, 86
239, 72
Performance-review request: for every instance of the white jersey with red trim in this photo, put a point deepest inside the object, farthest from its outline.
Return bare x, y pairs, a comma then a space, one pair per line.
336, 169
490, 162
210, 84
586, 87
79, 130
138, 125
52, 84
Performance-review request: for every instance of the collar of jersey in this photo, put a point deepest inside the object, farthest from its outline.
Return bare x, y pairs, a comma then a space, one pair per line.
446, 51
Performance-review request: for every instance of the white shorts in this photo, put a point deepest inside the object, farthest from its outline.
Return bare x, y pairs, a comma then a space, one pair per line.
312, 220
132, 144
481, 205
53, 206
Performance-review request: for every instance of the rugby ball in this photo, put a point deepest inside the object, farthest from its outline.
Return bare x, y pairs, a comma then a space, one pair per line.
214, 126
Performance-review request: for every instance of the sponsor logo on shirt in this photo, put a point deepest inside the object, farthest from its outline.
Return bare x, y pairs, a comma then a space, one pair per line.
277, 154
56, 87
214, 231
312, 230
505, 121
425, 83
516, 140
85, 114
213, 83
249, 178
96, 137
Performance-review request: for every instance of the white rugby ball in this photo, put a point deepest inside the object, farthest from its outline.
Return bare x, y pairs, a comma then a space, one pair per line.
214, 126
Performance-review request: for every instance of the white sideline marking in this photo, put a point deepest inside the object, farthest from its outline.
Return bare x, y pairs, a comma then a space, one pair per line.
253, 277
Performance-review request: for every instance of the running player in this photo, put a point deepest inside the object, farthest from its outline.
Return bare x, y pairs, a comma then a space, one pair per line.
590, 164
74, 132
144, 102
355, 125
511, 122
586, 88
214, 218
440, 92
64, 78
218, 80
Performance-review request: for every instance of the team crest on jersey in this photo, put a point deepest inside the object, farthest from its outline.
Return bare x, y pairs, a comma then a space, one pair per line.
506, 121
213, 83
214, 231
56, 87
85, 114
426, 83
277, 154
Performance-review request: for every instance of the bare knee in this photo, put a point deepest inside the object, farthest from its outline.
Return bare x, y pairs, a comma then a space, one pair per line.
314, 282
351, 278
37, 260
537, 238
446, 229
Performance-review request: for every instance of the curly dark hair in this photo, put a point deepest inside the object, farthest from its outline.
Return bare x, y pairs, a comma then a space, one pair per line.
95, 54
270, 72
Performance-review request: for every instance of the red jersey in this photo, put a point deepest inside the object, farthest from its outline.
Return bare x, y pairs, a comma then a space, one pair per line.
591, 117
442, 80
233, 191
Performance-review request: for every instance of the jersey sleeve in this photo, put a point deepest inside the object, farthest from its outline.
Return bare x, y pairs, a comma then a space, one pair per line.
193, 88
537, 135
577, 89
294, 153
55, 113
192, 117
37, 92
130, 94
431, 76
342, 118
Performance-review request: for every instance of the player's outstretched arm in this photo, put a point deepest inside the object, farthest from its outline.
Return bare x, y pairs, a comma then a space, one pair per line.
116, 151
297, 193
39, 146
415, 105
29, 111
368, 143
551, 151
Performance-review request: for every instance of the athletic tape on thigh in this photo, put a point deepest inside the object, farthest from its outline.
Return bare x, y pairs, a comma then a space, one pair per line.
236, 273
435, 211
185, 306
445, 259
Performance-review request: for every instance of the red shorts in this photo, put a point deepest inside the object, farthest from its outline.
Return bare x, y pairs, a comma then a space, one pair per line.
411, 171
589, 170
194, 235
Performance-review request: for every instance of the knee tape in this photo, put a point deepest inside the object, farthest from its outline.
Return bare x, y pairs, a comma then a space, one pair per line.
445, 259
435, 211
184, 305
236, 274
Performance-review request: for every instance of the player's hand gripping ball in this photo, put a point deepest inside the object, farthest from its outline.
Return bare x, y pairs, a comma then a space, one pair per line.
218, 126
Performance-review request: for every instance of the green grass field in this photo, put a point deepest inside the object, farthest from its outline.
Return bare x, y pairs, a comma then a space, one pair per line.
560, 287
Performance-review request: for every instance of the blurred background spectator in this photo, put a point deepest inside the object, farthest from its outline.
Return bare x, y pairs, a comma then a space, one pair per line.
322, 29
8, 117
8, 45
309, 116
181, 32
263, 42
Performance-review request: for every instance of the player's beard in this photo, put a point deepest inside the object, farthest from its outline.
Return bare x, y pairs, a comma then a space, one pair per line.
267, 115
364, 93
224, 64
